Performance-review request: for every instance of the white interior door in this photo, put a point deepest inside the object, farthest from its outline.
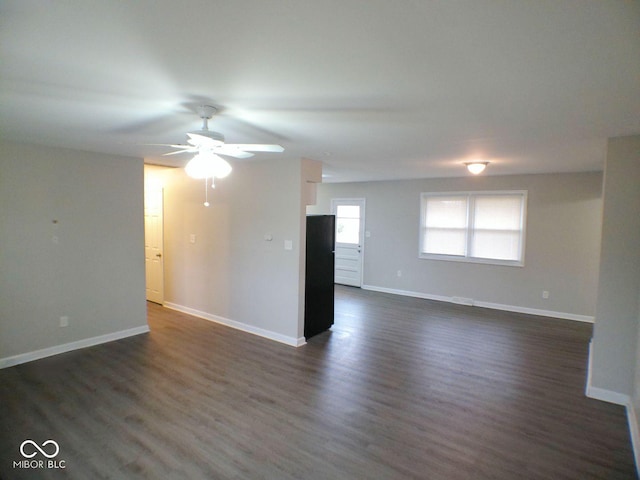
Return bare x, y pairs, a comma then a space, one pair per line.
349, 214
154, 266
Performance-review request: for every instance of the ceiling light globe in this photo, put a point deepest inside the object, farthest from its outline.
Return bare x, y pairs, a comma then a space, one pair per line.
221, 167
476, 167
207, 165
199, 167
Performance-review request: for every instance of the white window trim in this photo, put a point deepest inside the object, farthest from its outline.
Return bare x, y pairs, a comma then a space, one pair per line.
467, 259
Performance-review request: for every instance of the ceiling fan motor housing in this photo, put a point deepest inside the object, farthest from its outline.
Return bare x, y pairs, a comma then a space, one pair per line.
216, 136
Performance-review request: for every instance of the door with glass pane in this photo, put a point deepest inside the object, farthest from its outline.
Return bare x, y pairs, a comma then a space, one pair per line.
349, 214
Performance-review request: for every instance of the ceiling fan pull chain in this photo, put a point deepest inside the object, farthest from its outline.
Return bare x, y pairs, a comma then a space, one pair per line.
206, 193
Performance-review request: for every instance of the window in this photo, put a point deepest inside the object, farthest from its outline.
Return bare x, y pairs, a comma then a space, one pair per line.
348, 224
482, 227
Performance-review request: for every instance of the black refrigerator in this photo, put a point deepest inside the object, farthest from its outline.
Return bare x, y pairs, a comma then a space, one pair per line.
319, 274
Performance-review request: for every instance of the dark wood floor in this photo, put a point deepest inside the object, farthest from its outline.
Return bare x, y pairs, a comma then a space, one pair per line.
400, 388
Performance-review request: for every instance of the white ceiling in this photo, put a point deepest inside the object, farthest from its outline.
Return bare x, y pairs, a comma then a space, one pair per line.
376, 89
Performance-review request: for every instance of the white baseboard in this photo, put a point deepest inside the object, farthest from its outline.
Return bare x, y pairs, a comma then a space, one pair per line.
67, 347
632, 419
476, 303
406, 293
608, 396
537, 311
634, 430
261, 332
618, 399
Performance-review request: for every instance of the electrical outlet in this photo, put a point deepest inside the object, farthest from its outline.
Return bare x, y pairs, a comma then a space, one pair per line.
64, 321
399, 273
545, 294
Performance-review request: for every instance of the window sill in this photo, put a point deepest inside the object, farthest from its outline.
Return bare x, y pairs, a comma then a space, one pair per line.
483, 261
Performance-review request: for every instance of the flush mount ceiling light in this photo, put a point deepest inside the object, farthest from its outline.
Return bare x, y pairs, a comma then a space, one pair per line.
476, 167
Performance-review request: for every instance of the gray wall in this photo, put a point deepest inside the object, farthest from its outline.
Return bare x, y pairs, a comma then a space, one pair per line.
231, 271
92, 271
562, 243
615, 335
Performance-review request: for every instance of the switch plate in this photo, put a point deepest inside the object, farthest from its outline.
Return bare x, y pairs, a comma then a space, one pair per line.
288, 244
545, 294
64, 321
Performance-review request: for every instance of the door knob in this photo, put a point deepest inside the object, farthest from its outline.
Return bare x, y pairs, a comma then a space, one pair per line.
158, 255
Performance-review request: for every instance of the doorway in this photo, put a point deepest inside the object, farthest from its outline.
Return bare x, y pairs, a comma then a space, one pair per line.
153, 241
350, 215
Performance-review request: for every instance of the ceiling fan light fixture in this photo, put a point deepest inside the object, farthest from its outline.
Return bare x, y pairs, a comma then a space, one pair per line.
207, 165
476, 167
222, 167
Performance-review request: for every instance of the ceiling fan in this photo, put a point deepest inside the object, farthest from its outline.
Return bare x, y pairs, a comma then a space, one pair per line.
207, 142
208, 145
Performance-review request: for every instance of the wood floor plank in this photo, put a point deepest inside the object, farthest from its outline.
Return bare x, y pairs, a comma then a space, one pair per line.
400, 388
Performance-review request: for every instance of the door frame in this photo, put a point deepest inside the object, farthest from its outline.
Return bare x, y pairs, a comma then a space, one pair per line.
361, 202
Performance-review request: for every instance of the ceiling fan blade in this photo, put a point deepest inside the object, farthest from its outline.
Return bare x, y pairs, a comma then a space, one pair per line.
165, 145
186, 150
232, 152
254, 147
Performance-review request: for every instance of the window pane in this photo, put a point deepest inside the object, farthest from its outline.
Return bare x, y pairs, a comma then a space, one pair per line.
446, 212
496, 244
348, 211
497, 227
348, 230
498, 212
445, 241
445, 222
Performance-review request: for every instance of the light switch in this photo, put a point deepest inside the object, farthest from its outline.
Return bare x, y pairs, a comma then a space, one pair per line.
288, 244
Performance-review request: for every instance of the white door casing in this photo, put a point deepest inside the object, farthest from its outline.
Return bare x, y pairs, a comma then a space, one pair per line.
153, 225
350, 223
